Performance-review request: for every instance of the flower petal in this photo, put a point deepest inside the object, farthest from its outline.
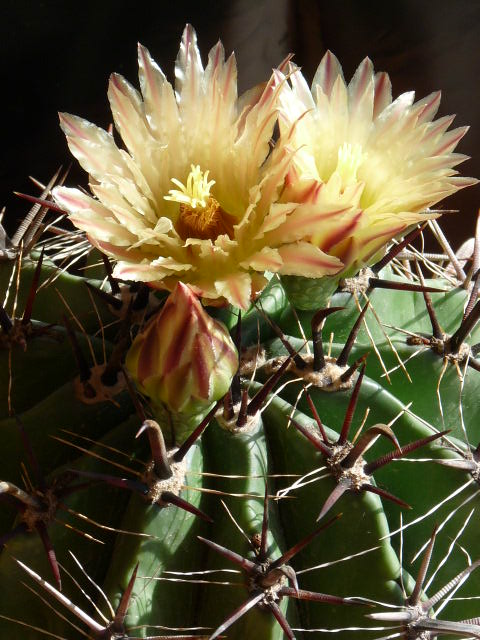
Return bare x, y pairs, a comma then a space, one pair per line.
304, 259
91, 216
265, 260
93, 147
236, 289
327, 73
384, 159
161, 110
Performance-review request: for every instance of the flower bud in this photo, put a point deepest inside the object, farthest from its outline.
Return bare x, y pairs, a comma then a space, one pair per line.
183, 358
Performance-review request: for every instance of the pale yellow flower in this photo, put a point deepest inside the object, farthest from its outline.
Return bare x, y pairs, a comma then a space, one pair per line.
194, 197
385, 161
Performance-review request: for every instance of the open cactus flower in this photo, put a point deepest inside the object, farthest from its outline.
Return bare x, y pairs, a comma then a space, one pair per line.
383, 162
195, 195
256, 312
199, 197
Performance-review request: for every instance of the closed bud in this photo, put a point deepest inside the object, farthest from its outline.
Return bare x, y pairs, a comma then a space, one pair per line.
183, 359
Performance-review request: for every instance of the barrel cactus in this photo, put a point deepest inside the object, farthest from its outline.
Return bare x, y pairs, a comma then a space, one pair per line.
236, 399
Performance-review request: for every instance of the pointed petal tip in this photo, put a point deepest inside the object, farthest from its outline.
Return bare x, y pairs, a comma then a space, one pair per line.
115, 80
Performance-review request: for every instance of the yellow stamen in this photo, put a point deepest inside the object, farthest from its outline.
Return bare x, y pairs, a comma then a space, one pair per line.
197, 191
200, 214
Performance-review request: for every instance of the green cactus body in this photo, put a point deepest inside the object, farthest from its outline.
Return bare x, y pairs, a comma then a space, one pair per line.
93, 549
359, 512
45, 420
48, 306
391, 315
242, 453
171, 546
360, 557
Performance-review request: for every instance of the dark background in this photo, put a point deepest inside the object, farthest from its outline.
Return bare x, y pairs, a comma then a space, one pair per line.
58, 56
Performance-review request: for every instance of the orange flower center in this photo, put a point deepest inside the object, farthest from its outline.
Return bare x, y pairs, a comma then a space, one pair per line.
206, 223
200, 214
